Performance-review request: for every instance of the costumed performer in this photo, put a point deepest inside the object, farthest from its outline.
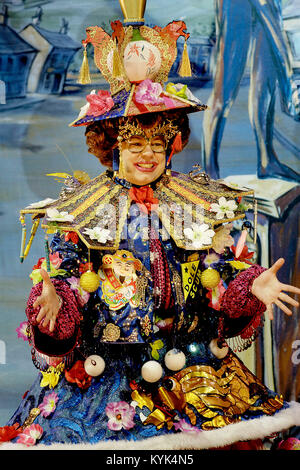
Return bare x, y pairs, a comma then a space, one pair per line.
141, 288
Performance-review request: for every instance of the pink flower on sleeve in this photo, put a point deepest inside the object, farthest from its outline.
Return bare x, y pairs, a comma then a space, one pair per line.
22, 330
82, 295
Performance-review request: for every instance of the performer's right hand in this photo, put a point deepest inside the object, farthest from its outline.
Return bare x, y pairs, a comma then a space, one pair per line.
49, 302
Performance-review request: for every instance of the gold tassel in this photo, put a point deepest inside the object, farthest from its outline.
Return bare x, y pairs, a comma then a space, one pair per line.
84, 74
121, 168
117, 71
185, 66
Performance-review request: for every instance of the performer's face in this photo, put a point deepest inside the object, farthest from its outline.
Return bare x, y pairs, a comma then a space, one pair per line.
143, 160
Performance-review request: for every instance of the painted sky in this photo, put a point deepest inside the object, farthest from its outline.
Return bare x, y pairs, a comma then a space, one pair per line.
198, 14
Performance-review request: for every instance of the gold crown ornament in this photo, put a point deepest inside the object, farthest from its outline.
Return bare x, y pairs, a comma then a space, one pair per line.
133, 11
135, 60
134, 52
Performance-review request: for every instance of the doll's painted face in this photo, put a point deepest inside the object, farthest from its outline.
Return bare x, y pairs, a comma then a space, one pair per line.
123, 268
142, 158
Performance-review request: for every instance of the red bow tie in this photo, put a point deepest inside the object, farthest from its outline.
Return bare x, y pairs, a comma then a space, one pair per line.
143, 196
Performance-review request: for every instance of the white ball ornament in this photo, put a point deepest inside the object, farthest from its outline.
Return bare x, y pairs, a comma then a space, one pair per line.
175, 359
152, 371
94, 365
220, 353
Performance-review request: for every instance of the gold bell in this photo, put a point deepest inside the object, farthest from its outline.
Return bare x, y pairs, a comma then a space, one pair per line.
210, 278
89, 281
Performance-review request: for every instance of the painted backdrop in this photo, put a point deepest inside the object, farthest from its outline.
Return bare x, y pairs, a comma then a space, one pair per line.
245, 57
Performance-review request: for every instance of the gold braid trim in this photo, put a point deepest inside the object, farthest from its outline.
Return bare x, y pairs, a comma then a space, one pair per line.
101, 52
167, 49
132, 128
216, 193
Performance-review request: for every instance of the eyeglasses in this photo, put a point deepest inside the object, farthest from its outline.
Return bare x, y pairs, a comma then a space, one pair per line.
138, 145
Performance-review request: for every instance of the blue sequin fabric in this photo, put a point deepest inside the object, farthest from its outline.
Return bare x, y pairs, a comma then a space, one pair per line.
80, 415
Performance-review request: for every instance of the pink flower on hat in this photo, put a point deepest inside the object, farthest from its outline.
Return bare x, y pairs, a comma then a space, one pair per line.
148, 92
100, 103
120, 415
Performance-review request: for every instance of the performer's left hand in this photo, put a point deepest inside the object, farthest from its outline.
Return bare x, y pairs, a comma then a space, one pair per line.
269, 290
48, 301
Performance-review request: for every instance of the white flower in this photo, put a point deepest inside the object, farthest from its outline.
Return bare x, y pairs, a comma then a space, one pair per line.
224, 208
40, 204
53, 215
200, 235
102, 235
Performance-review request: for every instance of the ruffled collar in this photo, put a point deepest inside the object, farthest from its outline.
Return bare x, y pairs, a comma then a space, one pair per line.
188, 210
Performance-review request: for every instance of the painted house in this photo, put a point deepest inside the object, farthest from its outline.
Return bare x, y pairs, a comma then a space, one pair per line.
16, 58
13, 3
55, 52
17, 5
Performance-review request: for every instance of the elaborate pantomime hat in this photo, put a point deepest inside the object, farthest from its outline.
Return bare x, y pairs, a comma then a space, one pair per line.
135, 60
